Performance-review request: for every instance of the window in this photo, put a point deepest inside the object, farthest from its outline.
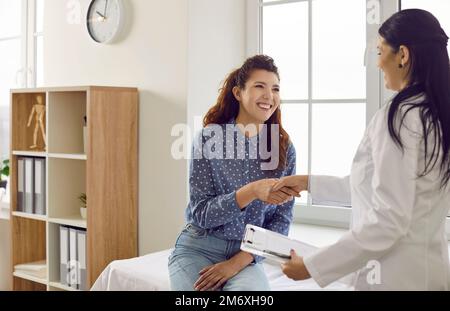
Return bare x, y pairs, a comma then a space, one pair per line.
10, 62
20, 54
305, 37
320, 105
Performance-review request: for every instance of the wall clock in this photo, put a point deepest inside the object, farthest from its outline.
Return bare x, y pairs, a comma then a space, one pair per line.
105, 20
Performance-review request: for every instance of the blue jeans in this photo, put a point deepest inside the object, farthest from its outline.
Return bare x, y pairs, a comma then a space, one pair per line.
196, 249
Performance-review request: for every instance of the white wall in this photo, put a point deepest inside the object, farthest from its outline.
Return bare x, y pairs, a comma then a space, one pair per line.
217, 45
152, 56
176, 52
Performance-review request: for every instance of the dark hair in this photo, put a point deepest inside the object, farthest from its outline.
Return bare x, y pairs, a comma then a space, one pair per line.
227, 105
429, 74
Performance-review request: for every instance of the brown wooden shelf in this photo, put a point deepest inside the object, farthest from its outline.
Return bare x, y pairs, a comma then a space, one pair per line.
104, 166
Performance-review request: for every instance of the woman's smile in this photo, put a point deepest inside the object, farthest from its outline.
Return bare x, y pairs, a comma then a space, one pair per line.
264, 106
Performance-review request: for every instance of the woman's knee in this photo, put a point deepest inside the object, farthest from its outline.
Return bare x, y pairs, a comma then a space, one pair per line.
184, 271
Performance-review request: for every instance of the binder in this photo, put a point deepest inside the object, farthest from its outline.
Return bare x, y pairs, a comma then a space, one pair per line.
20, 184
29, 185
64, 255
39, 186
81, 252
272, 245
73, 264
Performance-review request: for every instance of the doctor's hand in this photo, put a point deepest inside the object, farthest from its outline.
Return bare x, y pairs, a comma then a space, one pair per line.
297, 183
295, 268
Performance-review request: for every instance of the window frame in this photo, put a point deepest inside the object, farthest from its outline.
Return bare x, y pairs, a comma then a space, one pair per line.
28, 37
376, 96
31, 43
20, 73
23, 38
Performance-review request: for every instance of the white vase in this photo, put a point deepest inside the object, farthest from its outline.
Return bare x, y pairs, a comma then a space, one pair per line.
83, 212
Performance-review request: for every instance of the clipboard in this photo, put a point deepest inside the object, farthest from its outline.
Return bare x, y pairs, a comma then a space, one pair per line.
272, 245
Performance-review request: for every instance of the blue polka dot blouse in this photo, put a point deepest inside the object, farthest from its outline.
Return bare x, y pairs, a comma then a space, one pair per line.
215, 176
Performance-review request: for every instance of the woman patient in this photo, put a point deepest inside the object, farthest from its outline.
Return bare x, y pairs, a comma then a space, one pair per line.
239, 155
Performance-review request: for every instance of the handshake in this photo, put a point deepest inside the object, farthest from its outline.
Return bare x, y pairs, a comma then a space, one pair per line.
280, 191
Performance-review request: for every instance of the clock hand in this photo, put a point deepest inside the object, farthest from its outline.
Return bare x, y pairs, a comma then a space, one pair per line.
102, 18
106, 5
100, 14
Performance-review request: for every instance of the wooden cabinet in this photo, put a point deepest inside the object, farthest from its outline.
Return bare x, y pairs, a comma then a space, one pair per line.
100, 160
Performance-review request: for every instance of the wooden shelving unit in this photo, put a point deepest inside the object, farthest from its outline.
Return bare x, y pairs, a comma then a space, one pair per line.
106, 171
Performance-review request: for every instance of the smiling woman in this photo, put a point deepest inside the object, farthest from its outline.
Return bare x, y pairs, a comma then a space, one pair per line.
231, 187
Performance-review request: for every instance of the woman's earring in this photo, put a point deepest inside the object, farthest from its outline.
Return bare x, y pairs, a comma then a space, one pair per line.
400, 66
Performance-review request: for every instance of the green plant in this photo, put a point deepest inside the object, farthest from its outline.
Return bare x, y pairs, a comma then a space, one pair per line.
4, 168
83, 199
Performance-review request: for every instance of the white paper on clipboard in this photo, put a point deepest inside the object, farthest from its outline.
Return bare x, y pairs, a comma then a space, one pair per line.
272, 245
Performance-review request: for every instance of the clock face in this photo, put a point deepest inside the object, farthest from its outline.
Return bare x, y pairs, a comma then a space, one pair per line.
104, 20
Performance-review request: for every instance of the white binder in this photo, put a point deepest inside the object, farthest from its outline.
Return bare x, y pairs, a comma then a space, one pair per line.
29, 185
20, 184
81, 246
64, 255
272, 245
73, 263
39, 186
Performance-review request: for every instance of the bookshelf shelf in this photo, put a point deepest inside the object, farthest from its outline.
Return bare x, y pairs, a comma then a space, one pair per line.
30, 154
28, 277
67, 156
62, 286
73, 221
30, 216
89, 146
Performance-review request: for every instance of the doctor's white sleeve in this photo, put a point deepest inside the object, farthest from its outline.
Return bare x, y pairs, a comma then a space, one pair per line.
330, 190
390, 211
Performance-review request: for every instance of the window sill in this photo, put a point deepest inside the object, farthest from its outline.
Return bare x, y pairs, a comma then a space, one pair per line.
320, 215
316, 235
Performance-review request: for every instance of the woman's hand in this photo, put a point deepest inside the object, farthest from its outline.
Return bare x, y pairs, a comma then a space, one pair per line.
214, 276
295, 268
263, 190
297, 183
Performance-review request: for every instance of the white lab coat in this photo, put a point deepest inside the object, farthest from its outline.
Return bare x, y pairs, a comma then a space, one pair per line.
397, 239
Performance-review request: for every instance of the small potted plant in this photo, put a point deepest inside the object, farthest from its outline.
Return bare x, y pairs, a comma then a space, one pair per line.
83, 207
4, 171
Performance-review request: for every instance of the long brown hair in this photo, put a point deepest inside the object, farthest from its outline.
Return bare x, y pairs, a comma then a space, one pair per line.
227, 105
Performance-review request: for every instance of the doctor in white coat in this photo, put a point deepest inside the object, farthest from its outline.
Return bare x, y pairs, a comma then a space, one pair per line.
399, 184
